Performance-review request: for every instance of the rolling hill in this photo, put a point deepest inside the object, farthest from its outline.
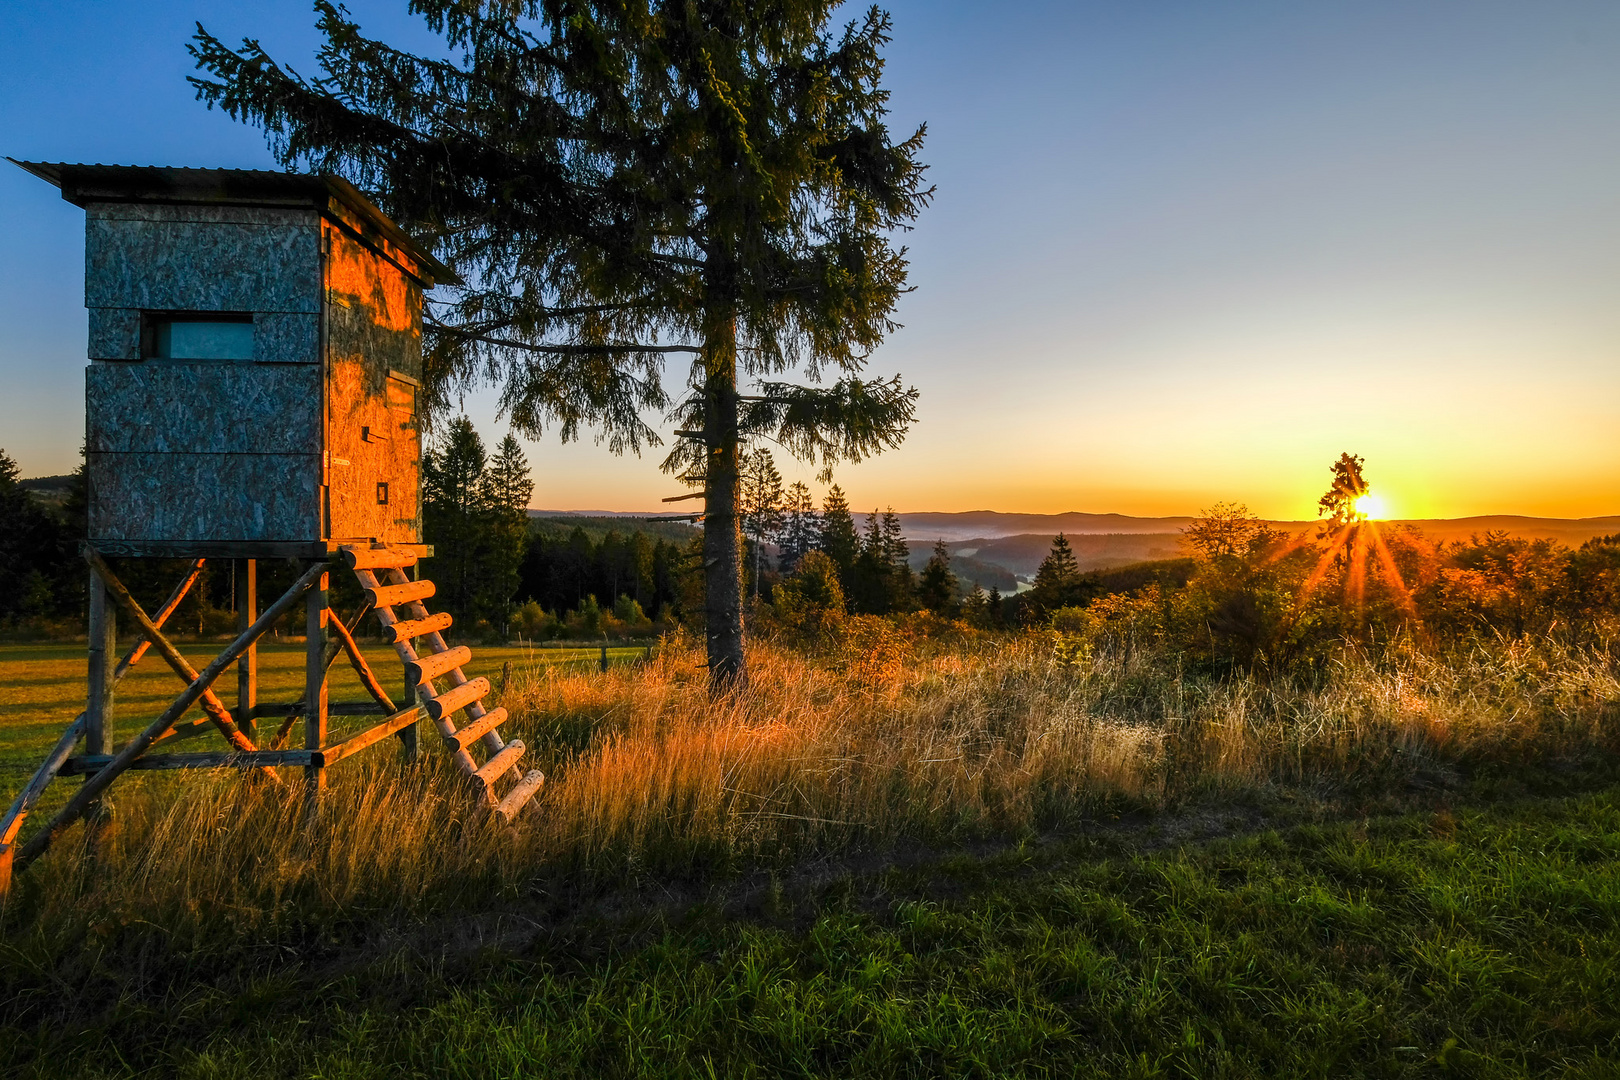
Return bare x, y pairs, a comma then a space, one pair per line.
1102, 541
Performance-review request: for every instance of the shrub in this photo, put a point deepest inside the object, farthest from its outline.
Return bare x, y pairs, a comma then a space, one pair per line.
809, 605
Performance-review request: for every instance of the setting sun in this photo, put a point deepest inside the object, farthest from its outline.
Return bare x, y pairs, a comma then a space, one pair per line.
1372, 507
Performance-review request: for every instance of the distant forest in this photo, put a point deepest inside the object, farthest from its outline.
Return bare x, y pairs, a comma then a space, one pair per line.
504, 573
500, 571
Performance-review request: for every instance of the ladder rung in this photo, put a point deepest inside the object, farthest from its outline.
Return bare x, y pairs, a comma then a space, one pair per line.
460, 740
493, 769
519, 796
415, 628
457, 698
432, 666
393, 595
370, 558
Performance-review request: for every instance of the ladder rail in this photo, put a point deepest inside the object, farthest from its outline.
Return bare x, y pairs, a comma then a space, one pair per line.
407, 653
418, 611
383, 577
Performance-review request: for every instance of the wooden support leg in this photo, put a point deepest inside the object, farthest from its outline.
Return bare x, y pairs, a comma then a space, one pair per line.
103, 648
247, 667
98, 711
195, 691
407, 736
315, 690
218, 714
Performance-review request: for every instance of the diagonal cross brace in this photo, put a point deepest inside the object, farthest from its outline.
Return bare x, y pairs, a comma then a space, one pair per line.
12, 823
216, 710
95, 785
134, 655
343, 638
367, 678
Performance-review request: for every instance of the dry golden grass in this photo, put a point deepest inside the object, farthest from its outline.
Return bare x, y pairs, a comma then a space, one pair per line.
866, 746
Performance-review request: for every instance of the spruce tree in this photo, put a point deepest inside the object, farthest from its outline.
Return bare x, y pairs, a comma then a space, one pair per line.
868, 585
616, 184
901, 582
508, 488
800, 526
1057, 581
838, 538
510, 485
937, 589
975, 607
455, 494
761, 504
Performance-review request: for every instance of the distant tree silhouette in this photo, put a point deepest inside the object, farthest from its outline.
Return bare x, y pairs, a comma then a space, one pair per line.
937, 588
881, 579
510, 485
800, 526
761, 504
1338, 506
1228, 530
1058, 581
34, 548
455, 510
508, 488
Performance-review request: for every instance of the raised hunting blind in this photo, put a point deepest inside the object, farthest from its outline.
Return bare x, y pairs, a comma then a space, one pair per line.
255, 347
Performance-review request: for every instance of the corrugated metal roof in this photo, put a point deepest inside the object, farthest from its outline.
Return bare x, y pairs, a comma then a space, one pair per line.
84, 183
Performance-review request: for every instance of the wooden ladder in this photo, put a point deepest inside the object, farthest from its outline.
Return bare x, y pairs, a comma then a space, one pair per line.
443, 663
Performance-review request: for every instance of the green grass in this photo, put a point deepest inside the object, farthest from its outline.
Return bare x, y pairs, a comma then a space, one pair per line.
1479, 940
42, 689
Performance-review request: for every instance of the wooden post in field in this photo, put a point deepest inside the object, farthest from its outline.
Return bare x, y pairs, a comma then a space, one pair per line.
247, 668
103, 642
315, 690
604, 656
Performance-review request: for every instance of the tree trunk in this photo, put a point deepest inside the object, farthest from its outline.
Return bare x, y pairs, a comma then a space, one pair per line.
722, 538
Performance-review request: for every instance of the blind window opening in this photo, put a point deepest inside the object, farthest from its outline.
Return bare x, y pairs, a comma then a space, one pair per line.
215, 338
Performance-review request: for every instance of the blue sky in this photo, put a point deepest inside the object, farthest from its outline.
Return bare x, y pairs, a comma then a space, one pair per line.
1180, 251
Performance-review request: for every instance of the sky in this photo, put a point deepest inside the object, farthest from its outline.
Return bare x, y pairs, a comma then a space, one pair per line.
1180, 252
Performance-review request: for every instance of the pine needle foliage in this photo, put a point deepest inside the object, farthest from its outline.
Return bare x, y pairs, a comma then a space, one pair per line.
619, 182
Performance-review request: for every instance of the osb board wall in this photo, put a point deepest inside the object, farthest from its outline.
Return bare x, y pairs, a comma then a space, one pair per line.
144, 257
186, 451
203, 451
201, 258
203, 406
374, 327
195, 497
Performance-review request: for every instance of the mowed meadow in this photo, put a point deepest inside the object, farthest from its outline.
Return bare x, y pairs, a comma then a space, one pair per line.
42, 688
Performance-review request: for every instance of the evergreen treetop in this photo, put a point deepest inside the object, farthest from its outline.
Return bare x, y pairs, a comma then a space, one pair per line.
838, 537
937, 587
1057, 580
